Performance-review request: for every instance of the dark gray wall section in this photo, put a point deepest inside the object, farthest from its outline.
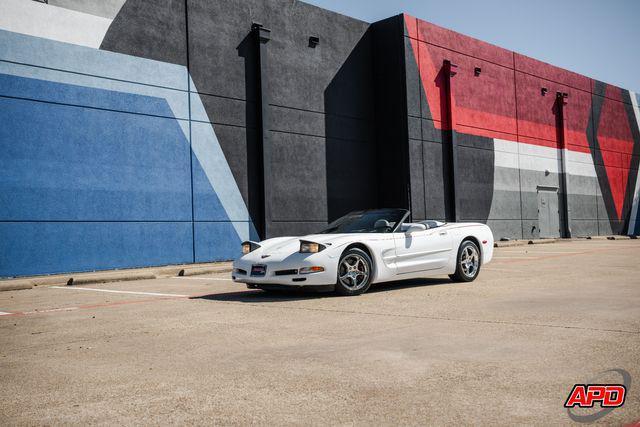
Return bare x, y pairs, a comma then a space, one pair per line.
105, 8
149, 29
475, 180
347, 122
429, 154
390, 112
320, 114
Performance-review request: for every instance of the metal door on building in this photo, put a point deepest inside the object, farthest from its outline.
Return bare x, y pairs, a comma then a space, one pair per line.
548, 212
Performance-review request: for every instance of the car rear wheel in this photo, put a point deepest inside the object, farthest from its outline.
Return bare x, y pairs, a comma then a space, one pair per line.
467, 262
354, 272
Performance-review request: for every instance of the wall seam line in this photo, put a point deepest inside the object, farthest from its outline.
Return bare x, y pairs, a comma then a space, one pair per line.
26, 64
186, 43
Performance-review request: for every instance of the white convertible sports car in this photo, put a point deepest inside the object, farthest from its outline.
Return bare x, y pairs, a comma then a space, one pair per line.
366, 247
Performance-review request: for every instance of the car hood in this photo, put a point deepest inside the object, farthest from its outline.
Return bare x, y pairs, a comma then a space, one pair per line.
282, 245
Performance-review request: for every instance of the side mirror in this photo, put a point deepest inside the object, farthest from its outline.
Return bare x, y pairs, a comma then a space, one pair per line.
414, 228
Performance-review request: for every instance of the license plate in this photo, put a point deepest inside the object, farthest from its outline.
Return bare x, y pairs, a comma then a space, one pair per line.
258, 270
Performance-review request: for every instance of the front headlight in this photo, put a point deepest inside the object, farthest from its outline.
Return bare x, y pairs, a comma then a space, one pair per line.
310, 247
249, 247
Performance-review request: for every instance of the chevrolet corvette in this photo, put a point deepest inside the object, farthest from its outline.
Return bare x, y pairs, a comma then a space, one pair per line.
366, 247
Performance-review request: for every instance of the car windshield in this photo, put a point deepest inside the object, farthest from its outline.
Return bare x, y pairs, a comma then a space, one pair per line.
373, 221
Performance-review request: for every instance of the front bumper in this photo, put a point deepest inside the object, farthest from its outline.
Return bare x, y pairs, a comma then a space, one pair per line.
242, 269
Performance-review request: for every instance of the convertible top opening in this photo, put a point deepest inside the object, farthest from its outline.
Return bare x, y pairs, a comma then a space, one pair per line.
369, 221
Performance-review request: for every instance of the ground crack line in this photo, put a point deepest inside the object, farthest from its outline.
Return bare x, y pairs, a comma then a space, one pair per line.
451, 319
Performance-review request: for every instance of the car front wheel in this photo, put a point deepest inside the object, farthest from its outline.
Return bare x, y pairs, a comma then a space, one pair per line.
467, 262
354, 272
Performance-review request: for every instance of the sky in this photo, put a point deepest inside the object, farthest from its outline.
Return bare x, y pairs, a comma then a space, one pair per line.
597, 38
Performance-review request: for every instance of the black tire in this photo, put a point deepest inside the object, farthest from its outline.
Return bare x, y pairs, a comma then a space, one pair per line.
465, 271
361, 271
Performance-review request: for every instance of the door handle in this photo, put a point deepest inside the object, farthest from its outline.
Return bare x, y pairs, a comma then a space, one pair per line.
443, 233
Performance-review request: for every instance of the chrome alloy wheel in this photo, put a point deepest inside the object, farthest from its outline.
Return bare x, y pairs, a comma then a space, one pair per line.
469, 260
353, 272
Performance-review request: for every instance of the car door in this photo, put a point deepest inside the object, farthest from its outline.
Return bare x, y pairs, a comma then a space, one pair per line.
422, 250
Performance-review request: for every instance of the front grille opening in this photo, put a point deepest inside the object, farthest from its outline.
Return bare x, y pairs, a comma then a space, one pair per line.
240, 271
290, 272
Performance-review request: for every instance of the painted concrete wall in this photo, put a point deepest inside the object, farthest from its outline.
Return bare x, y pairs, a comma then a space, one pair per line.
508, 142
104, 161
140, 133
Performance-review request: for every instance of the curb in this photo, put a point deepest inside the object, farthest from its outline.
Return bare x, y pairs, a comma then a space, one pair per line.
109, 278
543, 241
17, 285
113, 276
512, 243
205, 270
612, 237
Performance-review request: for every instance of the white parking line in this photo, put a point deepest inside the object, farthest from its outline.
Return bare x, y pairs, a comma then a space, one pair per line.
513, 257
51, 310
4, 313
203, 278
542, 252
156, 294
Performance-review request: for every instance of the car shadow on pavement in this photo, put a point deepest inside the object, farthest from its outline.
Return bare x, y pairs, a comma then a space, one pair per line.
409, 283
253, 296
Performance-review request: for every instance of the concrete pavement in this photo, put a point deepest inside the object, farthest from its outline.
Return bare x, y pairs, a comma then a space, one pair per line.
504, 349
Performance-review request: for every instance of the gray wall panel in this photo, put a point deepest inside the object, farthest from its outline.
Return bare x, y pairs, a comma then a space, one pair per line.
530, 229
418, 208
297, 228
431, 133
222, 57
299, 74
233, 141
415, 130
475, 181
582, 207
297, 163
435, 198
510, 228
351, 181
506, 194
414, 86
584, 227
297, 121
150, 29
226, 111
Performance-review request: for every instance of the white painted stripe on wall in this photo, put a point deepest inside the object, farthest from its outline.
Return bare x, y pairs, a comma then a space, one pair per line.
580, 168
105, 8
177, 100
52, 22
206, 148
636, 192
505, 145
538, 158
42, 52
